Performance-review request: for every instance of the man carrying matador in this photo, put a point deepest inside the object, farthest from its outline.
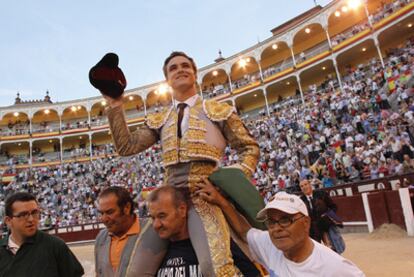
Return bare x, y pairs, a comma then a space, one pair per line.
193, 133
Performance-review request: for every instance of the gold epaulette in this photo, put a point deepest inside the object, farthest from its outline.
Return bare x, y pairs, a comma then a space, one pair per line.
157, 120
216, 111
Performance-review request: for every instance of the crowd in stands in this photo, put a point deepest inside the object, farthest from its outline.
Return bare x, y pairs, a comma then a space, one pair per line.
215, 90
15, 128
271, 70
355, 29
103, 149
23, 128
74, 152
246, 80
67, 193
12, 159
77, 124
45, 127
364, 130
339, 137
383, 11
387, 8
380, 13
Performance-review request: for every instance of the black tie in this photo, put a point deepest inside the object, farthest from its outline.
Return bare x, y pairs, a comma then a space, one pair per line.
181, 108
311, 203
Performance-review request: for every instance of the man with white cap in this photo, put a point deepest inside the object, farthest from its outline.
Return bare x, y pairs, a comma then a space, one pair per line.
285, 249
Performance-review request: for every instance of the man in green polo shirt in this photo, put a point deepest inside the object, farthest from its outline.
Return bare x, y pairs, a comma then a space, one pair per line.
28, 251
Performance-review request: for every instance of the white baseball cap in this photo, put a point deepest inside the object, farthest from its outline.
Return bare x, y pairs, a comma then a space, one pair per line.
285, 202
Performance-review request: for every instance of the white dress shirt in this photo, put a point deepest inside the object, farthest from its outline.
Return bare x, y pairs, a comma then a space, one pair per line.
190, 103
13, 247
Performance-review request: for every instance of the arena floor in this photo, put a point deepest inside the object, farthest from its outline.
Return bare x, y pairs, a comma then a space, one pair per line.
375, 255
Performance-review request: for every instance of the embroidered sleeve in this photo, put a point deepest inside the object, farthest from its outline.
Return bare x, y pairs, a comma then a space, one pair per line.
242, 141
128, 143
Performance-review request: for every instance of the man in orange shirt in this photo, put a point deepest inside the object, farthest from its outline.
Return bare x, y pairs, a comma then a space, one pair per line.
116, 245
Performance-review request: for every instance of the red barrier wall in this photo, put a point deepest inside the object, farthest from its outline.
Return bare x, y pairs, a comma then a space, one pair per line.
395, 211
378, 207
378, 184
77, 232
386, 207
350, 208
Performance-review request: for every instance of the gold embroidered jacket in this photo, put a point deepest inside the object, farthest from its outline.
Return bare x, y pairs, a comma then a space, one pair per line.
211, 127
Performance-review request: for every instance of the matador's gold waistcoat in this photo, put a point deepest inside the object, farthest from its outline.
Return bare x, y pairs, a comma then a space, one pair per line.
203, 139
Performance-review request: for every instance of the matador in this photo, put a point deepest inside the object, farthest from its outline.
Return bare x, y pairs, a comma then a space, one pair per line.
193, 133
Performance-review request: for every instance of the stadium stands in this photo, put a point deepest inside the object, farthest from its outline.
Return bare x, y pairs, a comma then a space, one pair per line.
330, 99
